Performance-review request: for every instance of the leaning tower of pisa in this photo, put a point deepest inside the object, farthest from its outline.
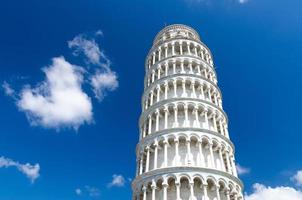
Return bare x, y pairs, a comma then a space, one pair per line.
184, 151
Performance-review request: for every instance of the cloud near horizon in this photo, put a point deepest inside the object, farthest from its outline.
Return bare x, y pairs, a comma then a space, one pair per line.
262, 192
31, 171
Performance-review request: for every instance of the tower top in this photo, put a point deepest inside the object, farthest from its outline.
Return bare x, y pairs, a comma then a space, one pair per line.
176, 31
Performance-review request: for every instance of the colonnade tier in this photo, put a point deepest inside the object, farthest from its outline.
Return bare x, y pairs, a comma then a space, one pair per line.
181, 86
183, 113
184, 149
188, 183
179, 65
180, 47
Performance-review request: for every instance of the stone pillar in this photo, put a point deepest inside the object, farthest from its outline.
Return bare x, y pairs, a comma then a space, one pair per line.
159, 54
166, 110
177, 184
175, 88
182, 67
188, 47
141, 163
177, 156
195, 111
212, 155
218, 193
166, 89
193, 90
189, 155
165, 187
153, 62
158, 93
173, 49
184, 93
144, 193
166, 68
190, 67
155, 154
151, 98
206, 119
148, 158
157, 120
153, 187
228, 162
205, 191
150, 125
214, 122
192, 197
180, 48
165, 153
166, 51
186, 122
202, 161
175, 117
221, 158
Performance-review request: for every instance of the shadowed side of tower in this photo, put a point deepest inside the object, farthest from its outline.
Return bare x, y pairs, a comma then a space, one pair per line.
184, 151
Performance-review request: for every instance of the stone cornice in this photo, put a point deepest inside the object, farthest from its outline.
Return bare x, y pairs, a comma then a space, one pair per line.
185, 129
176, 39
153, 67
169, 77
173, 100
173, 170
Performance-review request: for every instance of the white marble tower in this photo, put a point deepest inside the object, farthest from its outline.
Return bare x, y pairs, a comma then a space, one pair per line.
184, 152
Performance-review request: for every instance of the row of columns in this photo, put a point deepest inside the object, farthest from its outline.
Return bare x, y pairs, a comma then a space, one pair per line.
218, 121
226, 158
167, 68
179, 48
169, 89
224, 193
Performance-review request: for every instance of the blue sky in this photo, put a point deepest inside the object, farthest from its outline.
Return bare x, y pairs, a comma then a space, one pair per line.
90, 154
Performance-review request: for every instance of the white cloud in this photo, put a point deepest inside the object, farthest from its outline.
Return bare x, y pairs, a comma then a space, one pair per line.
31, 171
297, 178
243, 1
102, 82
262, 192
59, 100
78, 191
8, 90
117, 180
89, 48
242, 170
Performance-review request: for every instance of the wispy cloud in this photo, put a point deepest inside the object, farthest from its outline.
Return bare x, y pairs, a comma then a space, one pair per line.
8, 90
242, 170
31, 171
88, 191
117, 181
103, 79
59, 101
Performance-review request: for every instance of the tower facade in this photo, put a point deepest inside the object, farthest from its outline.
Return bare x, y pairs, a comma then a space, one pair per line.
184, 151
